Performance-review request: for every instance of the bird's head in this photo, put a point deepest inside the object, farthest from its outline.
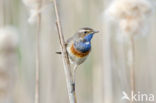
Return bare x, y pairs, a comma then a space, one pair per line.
83, 37
86, 34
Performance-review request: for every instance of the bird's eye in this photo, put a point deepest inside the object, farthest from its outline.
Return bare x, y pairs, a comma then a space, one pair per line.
85, 32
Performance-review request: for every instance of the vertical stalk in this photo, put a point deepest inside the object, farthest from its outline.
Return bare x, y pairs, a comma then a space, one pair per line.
37, 51
131, 64
65, 59
3, 9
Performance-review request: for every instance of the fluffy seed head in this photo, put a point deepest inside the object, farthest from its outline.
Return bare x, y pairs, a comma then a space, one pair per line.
131, 15
8, 38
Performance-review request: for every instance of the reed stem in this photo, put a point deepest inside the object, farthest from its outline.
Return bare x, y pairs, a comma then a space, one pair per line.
65, 59
131, 66
37, 71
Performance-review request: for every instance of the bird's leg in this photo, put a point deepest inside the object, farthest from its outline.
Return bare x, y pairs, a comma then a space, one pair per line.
74, 77
74, 72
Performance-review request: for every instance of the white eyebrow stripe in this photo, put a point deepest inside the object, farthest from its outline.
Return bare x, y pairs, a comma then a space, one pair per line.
83, 30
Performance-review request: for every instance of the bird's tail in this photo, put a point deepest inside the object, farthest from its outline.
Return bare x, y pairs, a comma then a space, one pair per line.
58, 52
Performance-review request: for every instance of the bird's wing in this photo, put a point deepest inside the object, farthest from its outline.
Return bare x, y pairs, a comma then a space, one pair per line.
69, 40
73, 38
66, 43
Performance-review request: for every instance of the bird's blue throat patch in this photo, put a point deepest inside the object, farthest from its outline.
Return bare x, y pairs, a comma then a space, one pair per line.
88, 37
84, 46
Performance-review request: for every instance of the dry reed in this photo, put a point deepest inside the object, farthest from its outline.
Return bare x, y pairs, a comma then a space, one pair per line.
131, 17
65, 59
37, 79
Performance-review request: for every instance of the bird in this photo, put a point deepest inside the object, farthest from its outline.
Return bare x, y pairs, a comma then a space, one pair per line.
79, 47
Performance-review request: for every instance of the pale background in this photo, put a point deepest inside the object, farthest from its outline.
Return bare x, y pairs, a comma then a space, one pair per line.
103, 76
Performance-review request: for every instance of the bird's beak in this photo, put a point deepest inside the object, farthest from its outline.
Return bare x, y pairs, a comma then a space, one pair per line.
95, 31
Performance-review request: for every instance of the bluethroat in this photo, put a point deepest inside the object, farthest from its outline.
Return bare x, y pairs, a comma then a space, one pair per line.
79, 46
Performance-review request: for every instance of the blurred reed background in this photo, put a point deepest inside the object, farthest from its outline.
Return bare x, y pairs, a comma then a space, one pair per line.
103, 76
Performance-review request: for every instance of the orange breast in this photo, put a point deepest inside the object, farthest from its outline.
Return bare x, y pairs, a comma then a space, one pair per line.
78, 53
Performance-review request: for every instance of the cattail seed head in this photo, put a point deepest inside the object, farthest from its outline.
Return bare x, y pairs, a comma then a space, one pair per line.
8, 60
131, 15
8, 38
